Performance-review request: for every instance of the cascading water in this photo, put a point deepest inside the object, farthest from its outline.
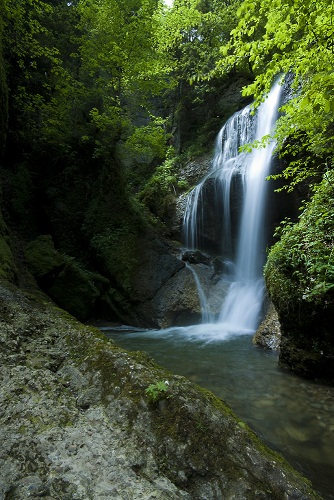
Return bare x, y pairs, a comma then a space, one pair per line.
242, 173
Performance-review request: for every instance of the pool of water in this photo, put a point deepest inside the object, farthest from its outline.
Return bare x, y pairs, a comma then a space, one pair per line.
292, 415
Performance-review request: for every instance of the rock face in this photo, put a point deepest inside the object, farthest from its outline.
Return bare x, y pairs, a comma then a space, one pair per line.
163, 288
163, 291
78, 423
307, 344
268, 335
167, 288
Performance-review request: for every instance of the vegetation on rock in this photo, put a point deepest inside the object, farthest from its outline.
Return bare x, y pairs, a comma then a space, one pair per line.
291, 37
300, 279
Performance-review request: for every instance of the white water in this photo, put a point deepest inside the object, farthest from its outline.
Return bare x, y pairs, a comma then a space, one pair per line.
242, 305
207, 317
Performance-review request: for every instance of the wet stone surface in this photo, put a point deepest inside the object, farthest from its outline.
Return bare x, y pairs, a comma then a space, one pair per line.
76, 422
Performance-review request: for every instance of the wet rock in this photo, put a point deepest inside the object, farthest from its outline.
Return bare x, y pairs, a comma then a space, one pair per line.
196, 257
156, 264
268, 335
176, 303
191, 174
193, 171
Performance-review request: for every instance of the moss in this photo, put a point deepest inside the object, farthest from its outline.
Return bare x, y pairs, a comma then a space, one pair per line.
7, 266
42, 258
62, 278
192, 431
116, 250
74, 291
210, 436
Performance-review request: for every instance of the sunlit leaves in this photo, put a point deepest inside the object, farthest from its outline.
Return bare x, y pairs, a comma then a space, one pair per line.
191, 33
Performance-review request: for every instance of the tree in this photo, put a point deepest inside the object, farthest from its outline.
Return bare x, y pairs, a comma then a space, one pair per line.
295, 38
189, 37
39, 64
121, 66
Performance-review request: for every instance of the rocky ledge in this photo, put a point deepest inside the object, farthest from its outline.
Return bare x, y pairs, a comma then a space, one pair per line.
77, 421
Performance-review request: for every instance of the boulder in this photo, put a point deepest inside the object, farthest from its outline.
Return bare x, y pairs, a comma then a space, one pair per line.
78, 422
169, 289
196, 257
157, 262
175, 303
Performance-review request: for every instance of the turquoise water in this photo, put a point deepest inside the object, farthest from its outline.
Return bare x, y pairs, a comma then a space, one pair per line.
292, 415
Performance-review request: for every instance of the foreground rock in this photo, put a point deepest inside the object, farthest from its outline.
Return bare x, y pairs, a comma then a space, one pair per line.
77, 422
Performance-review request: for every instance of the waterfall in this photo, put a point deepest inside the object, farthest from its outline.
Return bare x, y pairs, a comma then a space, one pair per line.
237, 177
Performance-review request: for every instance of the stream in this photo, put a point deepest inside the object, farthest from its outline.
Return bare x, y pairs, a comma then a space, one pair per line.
293, 416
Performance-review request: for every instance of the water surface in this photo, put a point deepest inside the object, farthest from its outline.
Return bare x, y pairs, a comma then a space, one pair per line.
292, 415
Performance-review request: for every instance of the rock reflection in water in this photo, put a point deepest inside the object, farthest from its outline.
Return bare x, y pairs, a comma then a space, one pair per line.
293, 416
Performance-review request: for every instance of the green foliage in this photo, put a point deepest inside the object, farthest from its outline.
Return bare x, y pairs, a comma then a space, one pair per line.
156, 392
297, 38
120, 62
146, 143
300, 265
189, 37
33, 65
42, 258
160, 189
191, 34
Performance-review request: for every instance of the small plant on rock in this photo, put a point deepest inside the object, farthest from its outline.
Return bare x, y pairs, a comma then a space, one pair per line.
156, 392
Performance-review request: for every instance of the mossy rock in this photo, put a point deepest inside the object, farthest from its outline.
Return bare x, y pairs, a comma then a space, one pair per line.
300, 279
43, 260
71, 287
7, 266
116, 253
74, 291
